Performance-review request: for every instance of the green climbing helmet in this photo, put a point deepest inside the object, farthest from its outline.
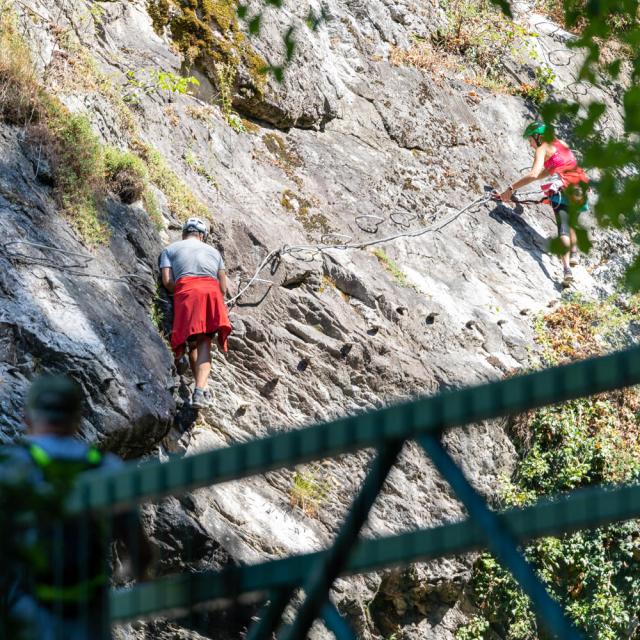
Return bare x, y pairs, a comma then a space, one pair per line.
536, 128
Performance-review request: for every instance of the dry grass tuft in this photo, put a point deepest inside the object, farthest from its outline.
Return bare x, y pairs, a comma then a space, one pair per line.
20, 91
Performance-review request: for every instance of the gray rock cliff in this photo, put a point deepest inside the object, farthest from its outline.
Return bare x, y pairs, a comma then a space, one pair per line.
348, 146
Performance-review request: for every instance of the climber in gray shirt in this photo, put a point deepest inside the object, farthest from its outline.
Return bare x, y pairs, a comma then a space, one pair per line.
194, 272
191, 257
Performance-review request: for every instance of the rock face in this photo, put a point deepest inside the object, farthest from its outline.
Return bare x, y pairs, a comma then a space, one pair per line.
96, 328
365, 149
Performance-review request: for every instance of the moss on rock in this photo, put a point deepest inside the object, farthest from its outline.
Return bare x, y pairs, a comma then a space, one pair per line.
301, 208
207, 33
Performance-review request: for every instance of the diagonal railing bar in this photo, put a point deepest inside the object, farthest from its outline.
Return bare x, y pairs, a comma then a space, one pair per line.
500, 541
328, 568
336, 623
270, 614
125, 487
580, 509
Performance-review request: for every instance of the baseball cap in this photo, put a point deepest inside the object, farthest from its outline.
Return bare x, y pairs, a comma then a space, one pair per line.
54, 398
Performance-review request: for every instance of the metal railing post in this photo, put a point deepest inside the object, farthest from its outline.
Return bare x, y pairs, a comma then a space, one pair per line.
328, 568
500, 541
336, 623
270, 616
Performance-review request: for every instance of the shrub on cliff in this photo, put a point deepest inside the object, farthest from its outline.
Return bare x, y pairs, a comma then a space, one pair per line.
594, 574
20, 91
126, 174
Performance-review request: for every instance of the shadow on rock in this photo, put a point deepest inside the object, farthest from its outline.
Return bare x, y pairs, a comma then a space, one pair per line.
526, 237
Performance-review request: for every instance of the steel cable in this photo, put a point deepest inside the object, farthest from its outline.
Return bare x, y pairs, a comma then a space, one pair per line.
75, 269
308, 252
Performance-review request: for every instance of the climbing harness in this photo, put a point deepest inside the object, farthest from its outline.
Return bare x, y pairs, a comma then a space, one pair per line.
307, 253
76, 268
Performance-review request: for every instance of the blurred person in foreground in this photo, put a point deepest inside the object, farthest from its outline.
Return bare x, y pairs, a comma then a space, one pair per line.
55, 577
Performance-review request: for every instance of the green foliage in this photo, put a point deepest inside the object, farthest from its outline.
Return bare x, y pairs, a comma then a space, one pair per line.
539, 90
581, 328
66, 140
309, 490
182, 202
479, 34
594, 574
126, 174
155, 312
152, 207
20, 91
148, 81
76, 155
392, 267
207, 33
475, 629
226, 74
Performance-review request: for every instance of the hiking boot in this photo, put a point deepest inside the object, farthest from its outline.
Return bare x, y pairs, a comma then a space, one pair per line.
574, 259
568, 277
198, 401
182, 365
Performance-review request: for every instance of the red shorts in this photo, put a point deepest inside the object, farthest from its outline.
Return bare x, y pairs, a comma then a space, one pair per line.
198, 307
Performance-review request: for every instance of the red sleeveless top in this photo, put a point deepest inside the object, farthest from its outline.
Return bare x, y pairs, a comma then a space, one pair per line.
562, 160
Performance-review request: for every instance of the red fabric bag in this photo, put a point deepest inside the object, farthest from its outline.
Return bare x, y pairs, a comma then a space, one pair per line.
198, 307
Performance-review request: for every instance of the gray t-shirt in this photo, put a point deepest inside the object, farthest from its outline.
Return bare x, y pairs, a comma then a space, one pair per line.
191, 257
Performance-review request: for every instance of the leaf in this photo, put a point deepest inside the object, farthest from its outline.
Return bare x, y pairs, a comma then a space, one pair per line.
504, 6
632, 110
274, 3
289, 43
255, 24
584, 244
556, 247
632, 277
594, 113
613, 69
242, 11
313, 21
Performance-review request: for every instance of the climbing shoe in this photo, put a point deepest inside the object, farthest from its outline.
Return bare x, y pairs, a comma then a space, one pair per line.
568, 277
197, 399
574, 259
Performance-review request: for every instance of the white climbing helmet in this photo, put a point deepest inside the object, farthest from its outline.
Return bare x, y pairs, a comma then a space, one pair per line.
196, 224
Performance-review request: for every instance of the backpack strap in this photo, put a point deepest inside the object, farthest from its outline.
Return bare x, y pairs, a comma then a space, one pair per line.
62, 473
73, 594
41, 458
93, 457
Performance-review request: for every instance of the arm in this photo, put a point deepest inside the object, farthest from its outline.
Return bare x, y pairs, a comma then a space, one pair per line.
224, 284
167, 279
536, 172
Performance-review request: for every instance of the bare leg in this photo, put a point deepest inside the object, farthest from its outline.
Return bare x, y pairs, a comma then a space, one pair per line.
566, 242
202, 360
193, 358
574, 239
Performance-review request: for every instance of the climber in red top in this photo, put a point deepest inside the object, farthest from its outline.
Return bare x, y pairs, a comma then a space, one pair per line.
195, 273
556, 161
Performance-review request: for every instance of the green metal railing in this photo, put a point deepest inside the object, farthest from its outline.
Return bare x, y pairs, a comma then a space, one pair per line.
386, 430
